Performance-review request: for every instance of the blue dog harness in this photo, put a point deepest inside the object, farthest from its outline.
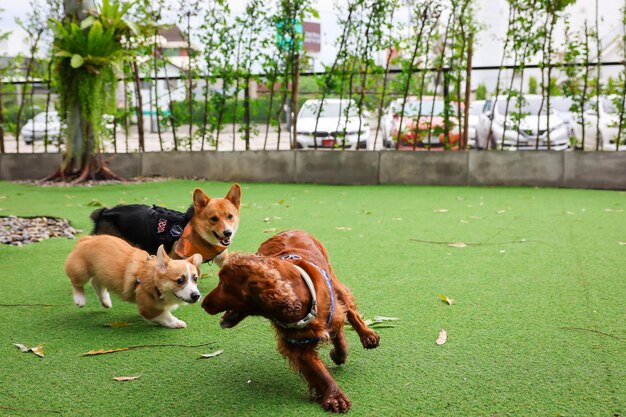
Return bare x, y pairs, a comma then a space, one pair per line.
300, 324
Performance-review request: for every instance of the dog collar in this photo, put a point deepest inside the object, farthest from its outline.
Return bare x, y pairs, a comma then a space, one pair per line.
300, 324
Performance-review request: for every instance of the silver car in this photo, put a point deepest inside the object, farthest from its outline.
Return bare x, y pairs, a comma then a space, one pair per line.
338, 124
35, 128
522, 126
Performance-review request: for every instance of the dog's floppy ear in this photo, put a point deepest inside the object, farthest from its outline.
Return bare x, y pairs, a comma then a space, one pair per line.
200, 199
275, 294
234, 195
195, 259
162, 259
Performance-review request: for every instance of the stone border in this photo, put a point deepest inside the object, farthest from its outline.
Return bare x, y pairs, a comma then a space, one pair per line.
604, 170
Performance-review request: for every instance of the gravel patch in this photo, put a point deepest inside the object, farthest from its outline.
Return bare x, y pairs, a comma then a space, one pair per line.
19, 231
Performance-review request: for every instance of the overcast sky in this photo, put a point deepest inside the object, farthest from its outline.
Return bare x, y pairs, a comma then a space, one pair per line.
491, 13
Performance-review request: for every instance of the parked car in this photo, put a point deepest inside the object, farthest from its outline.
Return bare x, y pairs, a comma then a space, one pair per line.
339, 124
526, 123
422, 123
475, 110
35, 128
608, 124
563, 107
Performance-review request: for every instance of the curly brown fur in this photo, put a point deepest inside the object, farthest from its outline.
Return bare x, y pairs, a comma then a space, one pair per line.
265, 285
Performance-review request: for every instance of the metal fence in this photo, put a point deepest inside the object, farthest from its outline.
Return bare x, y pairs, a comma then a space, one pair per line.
375, 113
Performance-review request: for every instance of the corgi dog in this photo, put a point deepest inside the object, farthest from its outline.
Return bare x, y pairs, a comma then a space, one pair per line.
208, 227
157, 284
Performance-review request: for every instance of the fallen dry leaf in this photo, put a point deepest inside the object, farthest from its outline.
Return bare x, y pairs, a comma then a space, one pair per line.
443, 337
457, 245
501, 211
445, 299
126, 378
117, 324
343, 228
440, 211
622, 243
37, 350
398, 219
270, 230
266, 220
464, 221
104, 351
212, 355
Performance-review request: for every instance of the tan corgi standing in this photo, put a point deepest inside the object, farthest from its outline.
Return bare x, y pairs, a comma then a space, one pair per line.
157, 284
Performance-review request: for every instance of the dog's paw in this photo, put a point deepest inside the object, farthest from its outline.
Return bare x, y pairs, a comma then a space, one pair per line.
339, 359
106, 301
370, 340
179, 324
337, 402
79, 299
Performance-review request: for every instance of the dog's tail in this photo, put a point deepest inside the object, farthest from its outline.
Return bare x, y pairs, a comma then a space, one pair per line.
96, 215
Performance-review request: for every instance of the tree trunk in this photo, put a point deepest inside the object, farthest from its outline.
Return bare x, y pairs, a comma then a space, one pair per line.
139, 106
468, 88
2, 150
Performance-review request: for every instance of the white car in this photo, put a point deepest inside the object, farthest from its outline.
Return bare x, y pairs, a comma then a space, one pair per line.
339, 124
35, 128
523, 126
608, 124
475, 110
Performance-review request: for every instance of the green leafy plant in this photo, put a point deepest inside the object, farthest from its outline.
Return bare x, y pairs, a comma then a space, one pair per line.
88, 55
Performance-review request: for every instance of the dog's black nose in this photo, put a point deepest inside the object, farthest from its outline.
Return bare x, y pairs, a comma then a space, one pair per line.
195, 296
228, 233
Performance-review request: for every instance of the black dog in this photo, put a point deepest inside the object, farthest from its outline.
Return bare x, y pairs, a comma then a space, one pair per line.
143, 226
207, 227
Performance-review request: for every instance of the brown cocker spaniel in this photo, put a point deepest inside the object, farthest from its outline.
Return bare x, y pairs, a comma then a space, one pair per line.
291, 282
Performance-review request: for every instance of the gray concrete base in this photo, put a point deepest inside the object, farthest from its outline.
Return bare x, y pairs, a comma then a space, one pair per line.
423, 168
337, 167
595, 170
605, 170
26, 166
536, 168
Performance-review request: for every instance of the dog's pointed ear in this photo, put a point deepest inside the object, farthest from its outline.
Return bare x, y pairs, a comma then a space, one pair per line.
162, 259
195, 259
234, 195
200, 199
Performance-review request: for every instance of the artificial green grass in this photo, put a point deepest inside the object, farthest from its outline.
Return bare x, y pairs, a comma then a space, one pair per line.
537, 328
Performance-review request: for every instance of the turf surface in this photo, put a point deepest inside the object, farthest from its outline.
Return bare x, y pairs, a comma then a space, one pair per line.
537, 328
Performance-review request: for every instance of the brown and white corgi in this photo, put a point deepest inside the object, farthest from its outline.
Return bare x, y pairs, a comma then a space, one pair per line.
157, 284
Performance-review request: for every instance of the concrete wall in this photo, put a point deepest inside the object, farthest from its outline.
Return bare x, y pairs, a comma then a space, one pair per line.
605, 170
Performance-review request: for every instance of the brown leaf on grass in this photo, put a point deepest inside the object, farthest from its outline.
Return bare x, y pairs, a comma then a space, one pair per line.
104, 351
457, 245
445, 299
126, 378
443, 337
212, 355
95, 203
270, 230
37, 350
116, 324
